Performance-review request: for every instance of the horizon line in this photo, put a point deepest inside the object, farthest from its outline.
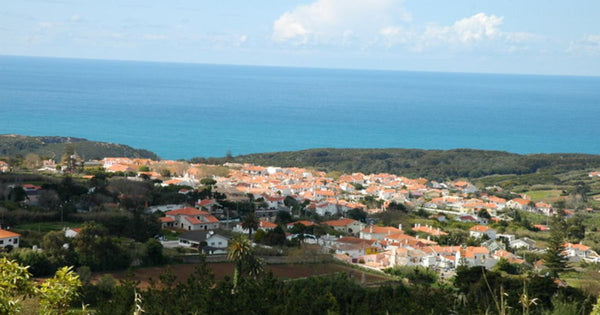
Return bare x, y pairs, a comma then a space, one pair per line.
303, 67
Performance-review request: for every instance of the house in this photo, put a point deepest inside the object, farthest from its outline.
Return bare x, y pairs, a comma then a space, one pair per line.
467, 219
208, 204
510, 257
594, 174
72, 232
354, 247
578, 252
326, 208
9, 240
346, 225
378, 232
262, 225
303, 222
428, 230
192, 219
275, 202
478, 231
473, 256
519, 204
522, 243
167, 222
208, 241
3, 167
544, 208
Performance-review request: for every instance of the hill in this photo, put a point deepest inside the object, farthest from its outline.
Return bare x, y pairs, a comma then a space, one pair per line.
53, 147
434, 164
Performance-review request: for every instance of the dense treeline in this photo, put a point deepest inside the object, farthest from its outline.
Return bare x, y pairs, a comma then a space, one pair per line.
435, 164
54, 147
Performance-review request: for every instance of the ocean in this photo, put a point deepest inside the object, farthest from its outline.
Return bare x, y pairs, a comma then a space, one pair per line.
188, 110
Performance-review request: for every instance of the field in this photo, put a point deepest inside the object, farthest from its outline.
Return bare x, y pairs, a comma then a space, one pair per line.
283, 271
544, 195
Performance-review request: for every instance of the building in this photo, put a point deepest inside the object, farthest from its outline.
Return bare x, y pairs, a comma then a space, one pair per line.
208, 241
378, 232
190, 219
72, 232
346, 225
479, 231
8, 239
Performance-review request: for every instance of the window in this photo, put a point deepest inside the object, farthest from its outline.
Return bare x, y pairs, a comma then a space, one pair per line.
1, 242
16, 241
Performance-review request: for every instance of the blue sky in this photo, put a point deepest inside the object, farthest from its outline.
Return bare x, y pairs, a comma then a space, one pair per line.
533, 36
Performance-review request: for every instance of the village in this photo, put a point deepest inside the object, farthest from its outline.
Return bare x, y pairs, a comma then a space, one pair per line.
345, 207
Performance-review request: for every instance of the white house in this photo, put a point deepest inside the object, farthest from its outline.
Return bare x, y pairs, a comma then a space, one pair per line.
72, 232
479, 231
9, 239
208, 241
192, 219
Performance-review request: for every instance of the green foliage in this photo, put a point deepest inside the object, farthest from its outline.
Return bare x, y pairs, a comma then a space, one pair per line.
416, 275
13, 145
14, 286
432, 164
554, 259
97, 250
357, 214
57, 293
153, 252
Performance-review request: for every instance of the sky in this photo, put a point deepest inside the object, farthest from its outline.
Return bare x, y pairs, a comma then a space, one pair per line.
508, 36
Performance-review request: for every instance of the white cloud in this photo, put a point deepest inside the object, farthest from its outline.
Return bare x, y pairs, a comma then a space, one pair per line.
590, 44
479, 29
337, 21
472, 29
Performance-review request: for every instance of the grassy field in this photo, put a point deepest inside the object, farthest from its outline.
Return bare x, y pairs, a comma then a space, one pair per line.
587, 280
544, 195
46, 226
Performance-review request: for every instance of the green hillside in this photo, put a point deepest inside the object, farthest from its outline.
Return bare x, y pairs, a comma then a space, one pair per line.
434, 164
53, 147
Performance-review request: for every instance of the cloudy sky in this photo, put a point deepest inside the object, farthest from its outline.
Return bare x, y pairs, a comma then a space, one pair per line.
508, 36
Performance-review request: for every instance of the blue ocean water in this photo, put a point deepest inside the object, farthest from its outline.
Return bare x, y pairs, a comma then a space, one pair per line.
187, 110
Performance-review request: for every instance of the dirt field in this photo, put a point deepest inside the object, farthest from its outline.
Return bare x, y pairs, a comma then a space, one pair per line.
284, 271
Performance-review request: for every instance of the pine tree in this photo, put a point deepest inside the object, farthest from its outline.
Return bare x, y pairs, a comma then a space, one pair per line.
554, 258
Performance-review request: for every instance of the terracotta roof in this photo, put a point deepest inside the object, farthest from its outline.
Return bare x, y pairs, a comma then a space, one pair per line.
7, 234
303, 222
187, 211
381, 230
340, 222
479, 228
166, 219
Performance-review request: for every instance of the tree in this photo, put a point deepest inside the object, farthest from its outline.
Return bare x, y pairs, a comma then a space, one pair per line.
57, 293
250, 223
357, 214
144, 168
14, 286
283, 217
241, 253
554, 259
208, 182
153, 252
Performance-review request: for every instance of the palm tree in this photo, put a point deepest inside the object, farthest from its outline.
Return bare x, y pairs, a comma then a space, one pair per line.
250, 223
241, 253
239, 248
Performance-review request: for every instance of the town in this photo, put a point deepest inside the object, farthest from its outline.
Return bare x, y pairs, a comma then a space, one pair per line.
337, 212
